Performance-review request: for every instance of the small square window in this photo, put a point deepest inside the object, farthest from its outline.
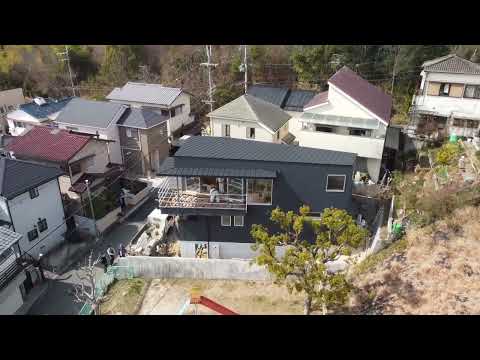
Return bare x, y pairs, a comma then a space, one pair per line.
336, 183
33, 193
42, 225
250, 133
32, 235
226, 221
238, 220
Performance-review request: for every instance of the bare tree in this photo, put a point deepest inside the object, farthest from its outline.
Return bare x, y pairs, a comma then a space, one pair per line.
86, 290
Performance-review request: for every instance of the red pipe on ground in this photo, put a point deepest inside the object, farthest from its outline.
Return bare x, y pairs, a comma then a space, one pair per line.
214, 306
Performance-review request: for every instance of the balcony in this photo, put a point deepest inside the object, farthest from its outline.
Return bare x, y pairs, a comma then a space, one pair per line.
446, 105
10, 267
186, 199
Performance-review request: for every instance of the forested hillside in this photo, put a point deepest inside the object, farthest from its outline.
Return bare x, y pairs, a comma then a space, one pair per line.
40, 71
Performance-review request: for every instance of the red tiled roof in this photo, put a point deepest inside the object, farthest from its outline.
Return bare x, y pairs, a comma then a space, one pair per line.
368, 95
318, 99
48, 144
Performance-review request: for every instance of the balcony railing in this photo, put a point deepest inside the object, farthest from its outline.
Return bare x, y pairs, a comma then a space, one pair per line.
9, 268
171, 198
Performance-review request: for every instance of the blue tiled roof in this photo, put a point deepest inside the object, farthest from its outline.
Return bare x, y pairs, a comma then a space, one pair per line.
43, 111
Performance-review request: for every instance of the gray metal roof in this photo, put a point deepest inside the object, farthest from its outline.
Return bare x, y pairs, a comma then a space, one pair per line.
8, 238
141, 118
271, 94
452, 64
211, 147
297, 99
92, 113
17, 176
145, 93
250, 108
169, 168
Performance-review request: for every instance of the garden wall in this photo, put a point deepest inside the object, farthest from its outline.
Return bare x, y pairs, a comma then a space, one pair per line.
88, 225
134, 199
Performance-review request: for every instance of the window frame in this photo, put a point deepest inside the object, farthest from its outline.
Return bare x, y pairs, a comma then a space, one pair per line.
476, 91
249, 133
441, 91
344, 183
225, 127
41, 223
271, 193
35, 193
19, 124
229, 220
235, 220
33, 231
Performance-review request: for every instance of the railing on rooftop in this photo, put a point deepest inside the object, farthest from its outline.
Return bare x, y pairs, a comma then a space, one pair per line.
171, 198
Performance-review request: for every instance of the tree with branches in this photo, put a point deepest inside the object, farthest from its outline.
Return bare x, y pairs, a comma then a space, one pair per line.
304, 266
86, 290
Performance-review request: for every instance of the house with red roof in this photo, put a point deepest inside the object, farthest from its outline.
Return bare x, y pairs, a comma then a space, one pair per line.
352, 116
79, 156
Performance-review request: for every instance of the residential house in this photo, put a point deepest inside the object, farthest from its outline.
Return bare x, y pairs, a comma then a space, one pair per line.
353, 116
251, 178
143, 140
171, 103
448, 100
38, 112
248, 117
76, 155
9, 101
97, 118
18, 274
31, 204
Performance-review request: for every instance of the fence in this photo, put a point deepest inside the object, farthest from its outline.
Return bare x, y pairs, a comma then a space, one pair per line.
113, 273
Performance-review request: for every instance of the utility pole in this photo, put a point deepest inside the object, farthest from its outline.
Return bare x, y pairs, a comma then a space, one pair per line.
91, 209
67, 59
245, 64
209, 66
394, 69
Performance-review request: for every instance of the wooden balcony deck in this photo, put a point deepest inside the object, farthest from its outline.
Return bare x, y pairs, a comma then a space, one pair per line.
193, 200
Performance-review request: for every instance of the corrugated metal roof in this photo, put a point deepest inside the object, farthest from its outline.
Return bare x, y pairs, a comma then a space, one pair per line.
250, 108
297, 99
48, 144
91, 113
210, 147
452, 64
8, 238
145, 93
17, 176
141, 118
359, 89
169, 168
43, 111
273, 95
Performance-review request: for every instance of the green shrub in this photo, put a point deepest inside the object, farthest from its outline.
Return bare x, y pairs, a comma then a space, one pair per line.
448, 153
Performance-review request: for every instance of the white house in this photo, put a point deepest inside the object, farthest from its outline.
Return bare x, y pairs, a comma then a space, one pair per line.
448, 100
173, 103
95, 118
352, 116
249, 117
31, 204
38, 112
9, 101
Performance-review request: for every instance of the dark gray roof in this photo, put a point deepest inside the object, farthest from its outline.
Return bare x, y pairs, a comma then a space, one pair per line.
169, 168
141, 118
92, 113
271, 94
249, 108
452, 64
8, 238
43, 111
145, 93
297, 99
17, 176
211, 147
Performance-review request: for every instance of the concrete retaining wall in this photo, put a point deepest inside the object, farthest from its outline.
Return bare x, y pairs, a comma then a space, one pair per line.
132, 199
213, 269
88, 225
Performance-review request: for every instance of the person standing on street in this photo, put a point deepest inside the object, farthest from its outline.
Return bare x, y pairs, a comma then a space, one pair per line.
104, 262
111, 254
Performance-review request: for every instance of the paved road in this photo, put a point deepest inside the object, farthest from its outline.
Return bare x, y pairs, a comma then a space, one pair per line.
57, 300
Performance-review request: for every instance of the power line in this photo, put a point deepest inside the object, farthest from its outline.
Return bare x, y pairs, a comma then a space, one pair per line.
67, 59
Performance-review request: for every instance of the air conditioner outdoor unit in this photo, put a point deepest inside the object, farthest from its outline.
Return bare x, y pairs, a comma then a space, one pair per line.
39, 101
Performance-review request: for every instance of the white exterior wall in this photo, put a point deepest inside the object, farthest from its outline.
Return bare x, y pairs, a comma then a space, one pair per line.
18, 131
225, 250
4, 215
25, 213
445, 105
238, 129
11, 297
100, 160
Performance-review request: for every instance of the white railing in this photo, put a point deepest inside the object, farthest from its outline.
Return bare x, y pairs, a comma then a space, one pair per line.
171, 198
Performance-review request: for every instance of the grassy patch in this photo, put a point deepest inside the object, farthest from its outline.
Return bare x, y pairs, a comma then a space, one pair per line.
124, 297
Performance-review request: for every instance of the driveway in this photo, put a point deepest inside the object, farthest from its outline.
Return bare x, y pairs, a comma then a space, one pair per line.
57, 300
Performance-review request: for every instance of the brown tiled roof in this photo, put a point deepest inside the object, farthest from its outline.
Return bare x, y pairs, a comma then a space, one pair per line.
359, 89
318, 99
452, 64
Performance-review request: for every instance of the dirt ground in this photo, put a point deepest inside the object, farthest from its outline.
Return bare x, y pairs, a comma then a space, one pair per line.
437, 273
167, 296
124, 297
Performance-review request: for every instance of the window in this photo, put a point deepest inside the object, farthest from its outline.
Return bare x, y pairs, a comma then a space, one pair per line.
226, 130
42, 225
19, 124
359, 132
179, 109
458, 122
238, 220
472, 92
278, 135
165, 112
444, 89
131, 133
336, 183
250, 133
191, 184
172, 112
72, 128
128, 132
33, 193
32, 235
471, 124
76, 168
322, 129
226, 221
259, 191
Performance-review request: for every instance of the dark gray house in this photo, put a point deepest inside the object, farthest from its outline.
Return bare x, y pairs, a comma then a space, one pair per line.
249, 178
